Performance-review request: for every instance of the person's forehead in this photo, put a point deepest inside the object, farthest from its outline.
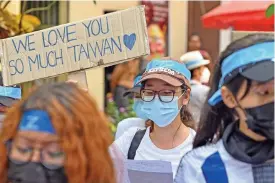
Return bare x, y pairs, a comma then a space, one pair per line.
255, 85
263, 85
38, 137
202, 67
157, 82
195, 38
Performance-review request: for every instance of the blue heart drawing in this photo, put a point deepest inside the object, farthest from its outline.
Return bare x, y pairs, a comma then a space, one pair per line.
129, 41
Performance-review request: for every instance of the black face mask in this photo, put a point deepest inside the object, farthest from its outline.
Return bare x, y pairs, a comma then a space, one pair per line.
34, 173
244, 148
261, 120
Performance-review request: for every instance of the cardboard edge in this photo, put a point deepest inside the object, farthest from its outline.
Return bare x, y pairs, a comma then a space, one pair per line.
143, 20
86, 69
3, 55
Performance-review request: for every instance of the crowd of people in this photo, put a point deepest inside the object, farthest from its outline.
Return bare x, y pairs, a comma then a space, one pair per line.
211, 130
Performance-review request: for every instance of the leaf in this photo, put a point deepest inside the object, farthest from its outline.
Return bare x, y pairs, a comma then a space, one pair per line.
8, 21
29, 22
32, 20
269, 11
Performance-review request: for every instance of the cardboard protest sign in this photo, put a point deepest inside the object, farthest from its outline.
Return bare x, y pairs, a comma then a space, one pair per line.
101, 41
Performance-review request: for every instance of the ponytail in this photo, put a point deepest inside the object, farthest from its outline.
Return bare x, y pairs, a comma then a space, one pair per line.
186, 117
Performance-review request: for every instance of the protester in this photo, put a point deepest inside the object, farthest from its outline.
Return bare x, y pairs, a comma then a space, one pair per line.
195, 44
138, 121
57, 135
195, 62
165, 93
235, 141
122, 79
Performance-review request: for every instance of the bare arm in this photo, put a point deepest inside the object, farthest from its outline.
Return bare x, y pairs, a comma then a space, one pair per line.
117, 73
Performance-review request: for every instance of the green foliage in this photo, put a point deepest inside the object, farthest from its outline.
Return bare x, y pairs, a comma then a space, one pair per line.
269, 11
116, 114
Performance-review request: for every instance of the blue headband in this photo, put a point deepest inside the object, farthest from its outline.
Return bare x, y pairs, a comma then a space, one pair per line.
36, 120
253, 54
11, 92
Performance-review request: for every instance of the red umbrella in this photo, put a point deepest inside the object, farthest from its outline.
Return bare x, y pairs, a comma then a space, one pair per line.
241, 16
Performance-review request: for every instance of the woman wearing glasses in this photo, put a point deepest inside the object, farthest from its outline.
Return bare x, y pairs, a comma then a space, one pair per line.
235, 141
56, 135
165, 93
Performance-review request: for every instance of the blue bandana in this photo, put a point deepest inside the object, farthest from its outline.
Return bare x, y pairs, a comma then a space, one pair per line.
36, 120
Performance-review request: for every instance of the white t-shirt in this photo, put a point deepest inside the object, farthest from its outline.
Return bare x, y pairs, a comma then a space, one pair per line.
125, 124
148, 151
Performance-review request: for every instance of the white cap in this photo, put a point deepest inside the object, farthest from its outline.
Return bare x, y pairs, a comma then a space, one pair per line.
193, 60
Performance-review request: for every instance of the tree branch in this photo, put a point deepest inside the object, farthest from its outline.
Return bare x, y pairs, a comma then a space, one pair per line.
5, 5
40, 9
1, 2
24, 4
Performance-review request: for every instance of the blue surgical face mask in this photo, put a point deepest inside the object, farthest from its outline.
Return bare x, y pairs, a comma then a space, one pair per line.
137, 108
161, 113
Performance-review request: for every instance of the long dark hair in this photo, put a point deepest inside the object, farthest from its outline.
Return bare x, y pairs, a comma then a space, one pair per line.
215, 119
185, 115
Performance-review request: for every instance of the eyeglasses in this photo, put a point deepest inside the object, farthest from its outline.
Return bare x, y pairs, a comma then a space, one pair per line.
165, 96
50, 156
